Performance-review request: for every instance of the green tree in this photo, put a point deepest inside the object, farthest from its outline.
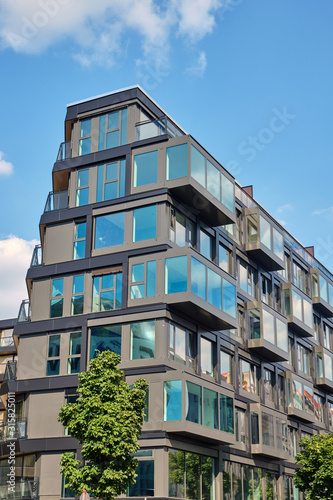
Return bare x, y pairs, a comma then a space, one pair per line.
107, 420
315, 477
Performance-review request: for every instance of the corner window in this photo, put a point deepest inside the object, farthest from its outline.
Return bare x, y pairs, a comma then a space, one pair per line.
112, 130
182, 345
109, 230
176, 274
144, 223
182, 230
107, 292
142, 340
53, 356
57, 300
82, 189
85, 137
173, 400
145, 168
77, 295
225, 259
143, 280
176, 162
105, 338
80, 240
111, 181
74, 355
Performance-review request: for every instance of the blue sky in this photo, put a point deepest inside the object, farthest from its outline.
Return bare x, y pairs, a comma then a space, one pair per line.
251, 80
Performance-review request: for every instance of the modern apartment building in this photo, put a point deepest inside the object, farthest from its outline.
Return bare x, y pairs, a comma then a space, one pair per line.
151, 249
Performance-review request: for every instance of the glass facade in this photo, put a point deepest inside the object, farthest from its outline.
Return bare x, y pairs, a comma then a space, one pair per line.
143, 340
109, 230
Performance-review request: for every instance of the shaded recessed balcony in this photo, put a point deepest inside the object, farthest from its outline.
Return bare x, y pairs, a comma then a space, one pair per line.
263, 239
297, 307
269, 432
322, 292
268, 332
300, 397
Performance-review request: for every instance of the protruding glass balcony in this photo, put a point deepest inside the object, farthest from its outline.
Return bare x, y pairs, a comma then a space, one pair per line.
37, 256
193, 410
188, 282
10, 371
65, 151
263, 239
182, 166
268, 331
300, 397
13, 431
155, 128
56, 201
297, 307
322, 292
24, 313
269, 432
324, 368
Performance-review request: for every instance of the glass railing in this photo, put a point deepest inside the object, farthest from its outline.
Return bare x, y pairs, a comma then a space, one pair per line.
23, 489
10, 371
24, 312
6, 341
65, 151
56, 201
37, 256
155, 128
15, 430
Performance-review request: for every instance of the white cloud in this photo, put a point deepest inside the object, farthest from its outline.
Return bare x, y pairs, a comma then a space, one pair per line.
322, 211
199, 66
15, 257
284, 208
101, 30
6, 168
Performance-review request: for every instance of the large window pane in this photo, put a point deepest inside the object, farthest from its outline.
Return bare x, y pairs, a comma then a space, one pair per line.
206, 245
278, 244
268, 326
105, 338
228, 194
281, 335
144, 483
207, 474
323, 288
198, 166
145, 168
226, 414
192, 467
267, 429
265, 233
210, 406
214, 288
297, 305
229, 298
213, 180
110, 230
193, 403
176, 274
176, 473
226, 360
198, 278
144, 223
143, 340
254, 323
176, 161
308, 313
297, 395
207, 360
173, 400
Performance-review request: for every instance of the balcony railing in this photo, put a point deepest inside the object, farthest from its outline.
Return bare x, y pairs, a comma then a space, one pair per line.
65, 151
155, 128
37, 256
6, 341
10, 371
24, 489
11, 431
24, 312
56, 201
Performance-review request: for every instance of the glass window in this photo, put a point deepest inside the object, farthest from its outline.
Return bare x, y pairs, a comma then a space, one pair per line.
226, 414
268, 326
206, 245
144, 482
254, 321
198, 171
297, 395
323, 288
82, 190
198, 278
308, 313
77, 295
105, 338
328, 367
193, 403
319, 408
214, 281
267, 429
192, 468
213, 180
225, 259
177, 227
308, 400
144, 223
207, 357
176, 274
248, 377
109, 230
56, 305
176, 473
317, 327
145, 168
299, 277
297, 305
80, 240
278, 247
226, 367
53, 361
143, 280
112, 130
265, 233
281, 335
176, 162
85, 137
107, 292
228, 193
229, 298
210, 407
173, 400
319, 365
303, 355
269, 386
111, 181
74, 358
240, 425
246, 278
251, 229
177, 344
143, 340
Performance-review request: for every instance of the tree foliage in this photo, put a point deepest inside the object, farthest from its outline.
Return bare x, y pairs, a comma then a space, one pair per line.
107, 420
315, 477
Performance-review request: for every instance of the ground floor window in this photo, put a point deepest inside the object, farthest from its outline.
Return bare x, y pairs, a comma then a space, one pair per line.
144, 485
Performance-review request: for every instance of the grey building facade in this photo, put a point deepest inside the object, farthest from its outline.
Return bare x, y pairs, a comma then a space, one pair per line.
150, 248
